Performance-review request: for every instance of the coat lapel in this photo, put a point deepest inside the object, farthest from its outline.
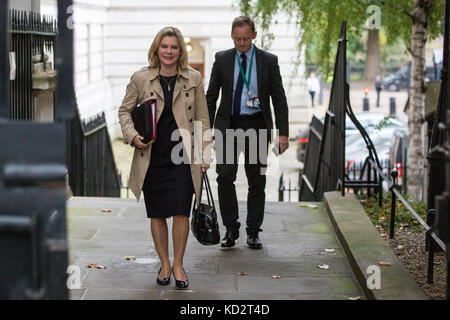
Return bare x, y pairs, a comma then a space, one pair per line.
182, 81
229, 65
259, 68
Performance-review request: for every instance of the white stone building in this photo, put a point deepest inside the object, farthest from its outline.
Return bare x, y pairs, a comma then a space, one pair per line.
113, 37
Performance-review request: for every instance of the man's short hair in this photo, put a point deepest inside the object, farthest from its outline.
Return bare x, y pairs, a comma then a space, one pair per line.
242, 21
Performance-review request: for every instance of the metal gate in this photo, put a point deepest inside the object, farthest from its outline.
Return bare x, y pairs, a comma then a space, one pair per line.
33, 170
32, 40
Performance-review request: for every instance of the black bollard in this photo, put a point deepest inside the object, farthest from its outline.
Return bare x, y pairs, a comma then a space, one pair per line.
366, 104
281, 189
392, 111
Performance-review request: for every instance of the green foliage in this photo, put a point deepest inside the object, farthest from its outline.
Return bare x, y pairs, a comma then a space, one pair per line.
384, 122
319, 23
381, 217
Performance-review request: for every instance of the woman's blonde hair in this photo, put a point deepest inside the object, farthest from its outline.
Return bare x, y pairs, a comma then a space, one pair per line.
168, 32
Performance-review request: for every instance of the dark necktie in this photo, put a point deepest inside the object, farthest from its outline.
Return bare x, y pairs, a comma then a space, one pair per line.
239, 87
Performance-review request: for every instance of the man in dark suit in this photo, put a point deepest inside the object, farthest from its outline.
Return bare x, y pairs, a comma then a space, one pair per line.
248, 77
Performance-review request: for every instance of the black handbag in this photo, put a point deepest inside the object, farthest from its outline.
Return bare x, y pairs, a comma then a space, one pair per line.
204, 224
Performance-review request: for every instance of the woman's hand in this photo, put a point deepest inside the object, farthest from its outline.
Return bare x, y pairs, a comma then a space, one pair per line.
137, 141
204, 169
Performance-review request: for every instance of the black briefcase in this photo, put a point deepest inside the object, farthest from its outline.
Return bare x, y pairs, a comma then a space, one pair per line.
204, 224
144, 119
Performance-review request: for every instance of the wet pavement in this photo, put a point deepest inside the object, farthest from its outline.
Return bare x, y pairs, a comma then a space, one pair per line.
107, 231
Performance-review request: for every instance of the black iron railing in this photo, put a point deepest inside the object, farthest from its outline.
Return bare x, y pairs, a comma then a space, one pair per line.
289, 188
32, 46
354, 171
439, 157
92, 169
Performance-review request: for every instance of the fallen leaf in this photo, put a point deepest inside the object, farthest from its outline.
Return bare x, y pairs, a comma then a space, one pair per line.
276, 277
106, 210
241, 273
329, 250
130, 258
384, 263
96, 266
399, 246
323, 266
354, 298
307, 205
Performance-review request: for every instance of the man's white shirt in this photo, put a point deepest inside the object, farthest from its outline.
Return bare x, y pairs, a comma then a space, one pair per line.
313, 84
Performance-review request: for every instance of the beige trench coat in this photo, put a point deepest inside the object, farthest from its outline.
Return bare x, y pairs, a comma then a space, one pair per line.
189, 107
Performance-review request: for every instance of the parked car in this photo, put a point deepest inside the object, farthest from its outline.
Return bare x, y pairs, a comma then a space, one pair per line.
398, 153
387, 146
302, 143
367, 120
398, 80
382, 139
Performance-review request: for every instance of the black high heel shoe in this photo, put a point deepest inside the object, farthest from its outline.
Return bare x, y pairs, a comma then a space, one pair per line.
181, 284
162, 281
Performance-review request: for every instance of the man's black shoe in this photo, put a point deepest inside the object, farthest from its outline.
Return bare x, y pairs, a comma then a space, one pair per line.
253, 242
229, 240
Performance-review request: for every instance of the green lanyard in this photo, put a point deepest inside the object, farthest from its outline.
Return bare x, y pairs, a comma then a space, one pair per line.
246, 81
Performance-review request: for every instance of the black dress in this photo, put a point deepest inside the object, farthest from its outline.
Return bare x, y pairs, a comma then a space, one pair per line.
168, 187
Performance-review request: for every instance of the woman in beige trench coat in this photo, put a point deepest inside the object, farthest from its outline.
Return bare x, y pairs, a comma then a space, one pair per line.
167, 185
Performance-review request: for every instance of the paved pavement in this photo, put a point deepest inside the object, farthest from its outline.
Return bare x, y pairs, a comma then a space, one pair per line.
294, 241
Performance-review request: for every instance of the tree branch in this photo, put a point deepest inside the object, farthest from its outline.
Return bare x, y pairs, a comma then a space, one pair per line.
397, 9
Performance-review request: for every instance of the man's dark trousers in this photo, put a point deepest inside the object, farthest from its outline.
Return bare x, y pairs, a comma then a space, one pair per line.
312, 93
255, 166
